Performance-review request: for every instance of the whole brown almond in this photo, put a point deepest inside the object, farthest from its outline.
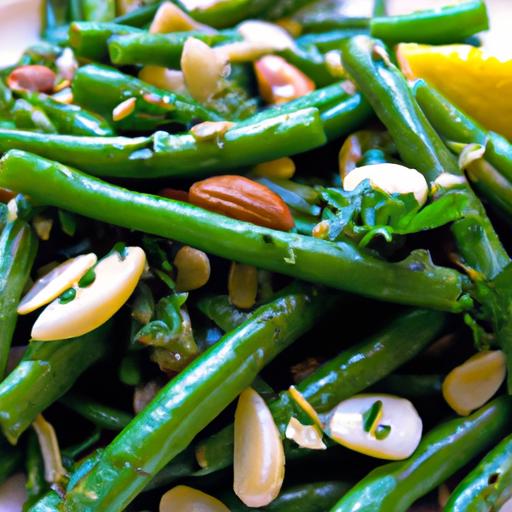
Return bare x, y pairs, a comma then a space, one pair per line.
242, 199
31, 78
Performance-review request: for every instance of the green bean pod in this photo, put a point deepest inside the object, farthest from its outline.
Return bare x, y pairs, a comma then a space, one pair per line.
414, 281
69, 119
34, 467
219, 309
101, 415
100, 89
18, 248
440, 25
45, 373
182, 155
455, 125
159, 49
315, 497
411, 386
10, 460
352, 371
487, 486
190, 401
89, 39
447, 448
98, 10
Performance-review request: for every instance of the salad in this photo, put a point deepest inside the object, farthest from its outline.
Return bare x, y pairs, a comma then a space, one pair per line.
255, 255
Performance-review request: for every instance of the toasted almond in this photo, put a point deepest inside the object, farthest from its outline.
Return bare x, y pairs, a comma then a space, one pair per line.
210, 130
242, 199
306, 436
170, 18
172, 193
187, 499
282, 168
168, 79
124, 109
193, 269
31, 78
242, 285
279, 81
258, 452
321, 230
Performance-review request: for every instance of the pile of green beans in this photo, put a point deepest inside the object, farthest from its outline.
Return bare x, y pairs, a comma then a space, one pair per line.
348, 295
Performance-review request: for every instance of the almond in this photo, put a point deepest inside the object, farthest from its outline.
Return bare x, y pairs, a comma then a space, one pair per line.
31, 78
242, 199
173, 193
279, 81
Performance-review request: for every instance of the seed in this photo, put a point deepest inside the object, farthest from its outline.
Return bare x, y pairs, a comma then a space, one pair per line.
116, 278
258, 452
168, 79
124, 109
279, 81
31, 78
193, 267
170, 18
282, 168
242, 285
42, 226
470, 385
187, 499
203, 69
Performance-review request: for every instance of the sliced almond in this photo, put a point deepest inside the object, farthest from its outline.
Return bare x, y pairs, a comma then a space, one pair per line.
281, 168
58, 280
116, 278
124, 109
170, 18
306, 436
242, 285
203, 69
470, 385
187, 499
392, 433
259, 455
168, 79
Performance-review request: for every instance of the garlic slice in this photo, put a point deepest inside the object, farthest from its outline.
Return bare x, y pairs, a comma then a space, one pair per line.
51, 285
390, 431
187, 499
259, 455
116, 278
470, 385
391, 178
306, 436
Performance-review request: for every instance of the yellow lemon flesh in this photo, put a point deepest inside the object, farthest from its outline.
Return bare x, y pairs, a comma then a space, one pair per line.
477, 82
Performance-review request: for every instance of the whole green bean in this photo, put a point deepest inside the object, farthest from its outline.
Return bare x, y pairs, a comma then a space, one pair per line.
352, 371
414, 281
98, 10
159, 49
411, 386
165, 155
18, 247
34, 467
190, 401
30, 117
439, 25
448, 447
455, 125
315, 497
138, 17
89, 39
99, 414
45, 373
482, 489
100, 89
10, 460
69, 119
330, 40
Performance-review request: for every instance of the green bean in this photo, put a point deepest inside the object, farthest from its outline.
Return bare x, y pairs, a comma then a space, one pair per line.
190, 401
457, 126
98, 10
219, 309
379, 8
180, 155
30, 117
45, 373
311, 62
447, 448
330, 40
138, 17
159, 49
352, 371
34, 466
411, 386
487, 486
10, 460
439, 25
100, 89
101, 415
414, 281
18, 247
69, 119
89, 39
315, 497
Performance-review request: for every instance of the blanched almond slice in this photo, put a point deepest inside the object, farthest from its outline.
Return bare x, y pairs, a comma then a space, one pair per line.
170, 18
168, 79
306, 436
58, 280
242, 285
259, 454
116, 278
187, 499
391, 178
470, 385
391, 431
